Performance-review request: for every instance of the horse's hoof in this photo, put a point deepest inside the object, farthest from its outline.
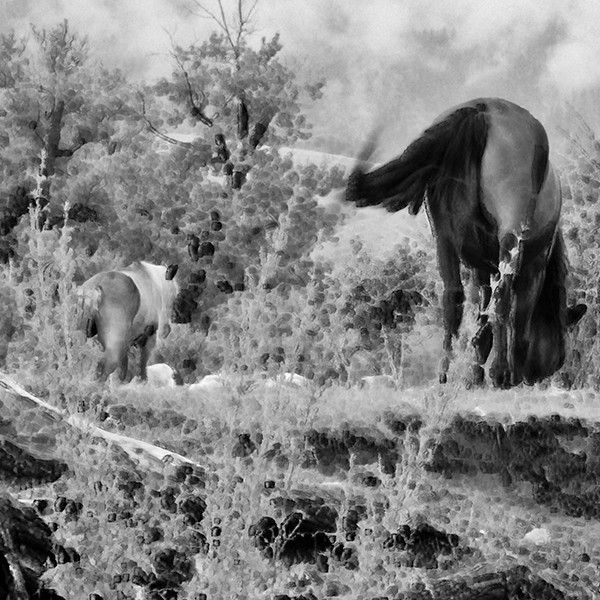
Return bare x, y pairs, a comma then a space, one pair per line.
443, 367
99, 374
477, 375
502, 381
501, 377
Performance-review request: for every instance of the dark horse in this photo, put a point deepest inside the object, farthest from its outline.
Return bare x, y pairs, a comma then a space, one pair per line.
493, 201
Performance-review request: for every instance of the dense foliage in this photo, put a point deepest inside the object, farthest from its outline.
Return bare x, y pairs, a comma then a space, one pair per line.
94, 177
580, 171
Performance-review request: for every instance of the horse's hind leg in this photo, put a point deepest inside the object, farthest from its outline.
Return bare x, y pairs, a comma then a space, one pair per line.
113, 338
102, 370
482, 340
115, 357
145, 352
122, 365
503, 312
452, 301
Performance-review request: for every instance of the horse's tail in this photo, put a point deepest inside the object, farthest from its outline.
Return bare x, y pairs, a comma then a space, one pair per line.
440, 163
88, 303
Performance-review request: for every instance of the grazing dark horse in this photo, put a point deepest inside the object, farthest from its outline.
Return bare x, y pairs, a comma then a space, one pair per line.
493, 201
127, 308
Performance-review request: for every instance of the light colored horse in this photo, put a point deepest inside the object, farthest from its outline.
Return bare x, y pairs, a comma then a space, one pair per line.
126, 308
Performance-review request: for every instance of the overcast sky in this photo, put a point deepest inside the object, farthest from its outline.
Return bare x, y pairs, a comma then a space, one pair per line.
402, 61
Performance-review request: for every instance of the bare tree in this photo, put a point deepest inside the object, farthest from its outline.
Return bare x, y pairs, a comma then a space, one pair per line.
197, 104
62, 53
235, 26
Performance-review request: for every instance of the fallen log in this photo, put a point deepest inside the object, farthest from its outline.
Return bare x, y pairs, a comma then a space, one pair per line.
140, 452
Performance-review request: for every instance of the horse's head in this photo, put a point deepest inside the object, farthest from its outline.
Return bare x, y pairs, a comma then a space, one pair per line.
185, 304
171, 271
546, 348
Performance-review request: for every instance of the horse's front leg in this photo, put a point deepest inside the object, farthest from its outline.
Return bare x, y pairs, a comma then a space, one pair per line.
452, 301
482, 340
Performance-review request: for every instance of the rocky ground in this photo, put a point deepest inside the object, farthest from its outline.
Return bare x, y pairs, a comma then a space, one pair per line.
473, 506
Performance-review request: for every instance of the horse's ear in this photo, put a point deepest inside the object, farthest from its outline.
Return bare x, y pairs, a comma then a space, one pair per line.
574, 314
171, 271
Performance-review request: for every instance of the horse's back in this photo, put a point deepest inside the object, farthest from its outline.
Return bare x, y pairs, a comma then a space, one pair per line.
156, 292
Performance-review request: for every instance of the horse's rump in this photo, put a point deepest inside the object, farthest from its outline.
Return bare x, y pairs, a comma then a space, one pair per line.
127, 308
111, 301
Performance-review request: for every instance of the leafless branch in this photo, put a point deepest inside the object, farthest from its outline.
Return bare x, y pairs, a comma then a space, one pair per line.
151, 127
233, 31
575, 141
144, 453
244, 20
195, 110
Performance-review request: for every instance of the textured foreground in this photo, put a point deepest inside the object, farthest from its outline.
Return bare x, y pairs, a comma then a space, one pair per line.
303, 493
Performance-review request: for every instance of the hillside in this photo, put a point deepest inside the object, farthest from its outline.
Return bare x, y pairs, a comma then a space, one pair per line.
364, 492
293, 441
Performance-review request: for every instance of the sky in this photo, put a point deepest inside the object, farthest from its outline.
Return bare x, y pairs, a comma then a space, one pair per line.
393, 62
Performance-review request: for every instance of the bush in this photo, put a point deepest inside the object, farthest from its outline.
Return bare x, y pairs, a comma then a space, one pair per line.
580, 170
317, 330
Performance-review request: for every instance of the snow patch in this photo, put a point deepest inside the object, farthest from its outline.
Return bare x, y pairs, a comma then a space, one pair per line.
537, 536
291, 379
161, 375
377, 381
209, 382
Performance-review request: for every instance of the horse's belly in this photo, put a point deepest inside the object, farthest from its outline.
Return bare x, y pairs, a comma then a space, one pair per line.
146, 315
479, 249
149, 308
